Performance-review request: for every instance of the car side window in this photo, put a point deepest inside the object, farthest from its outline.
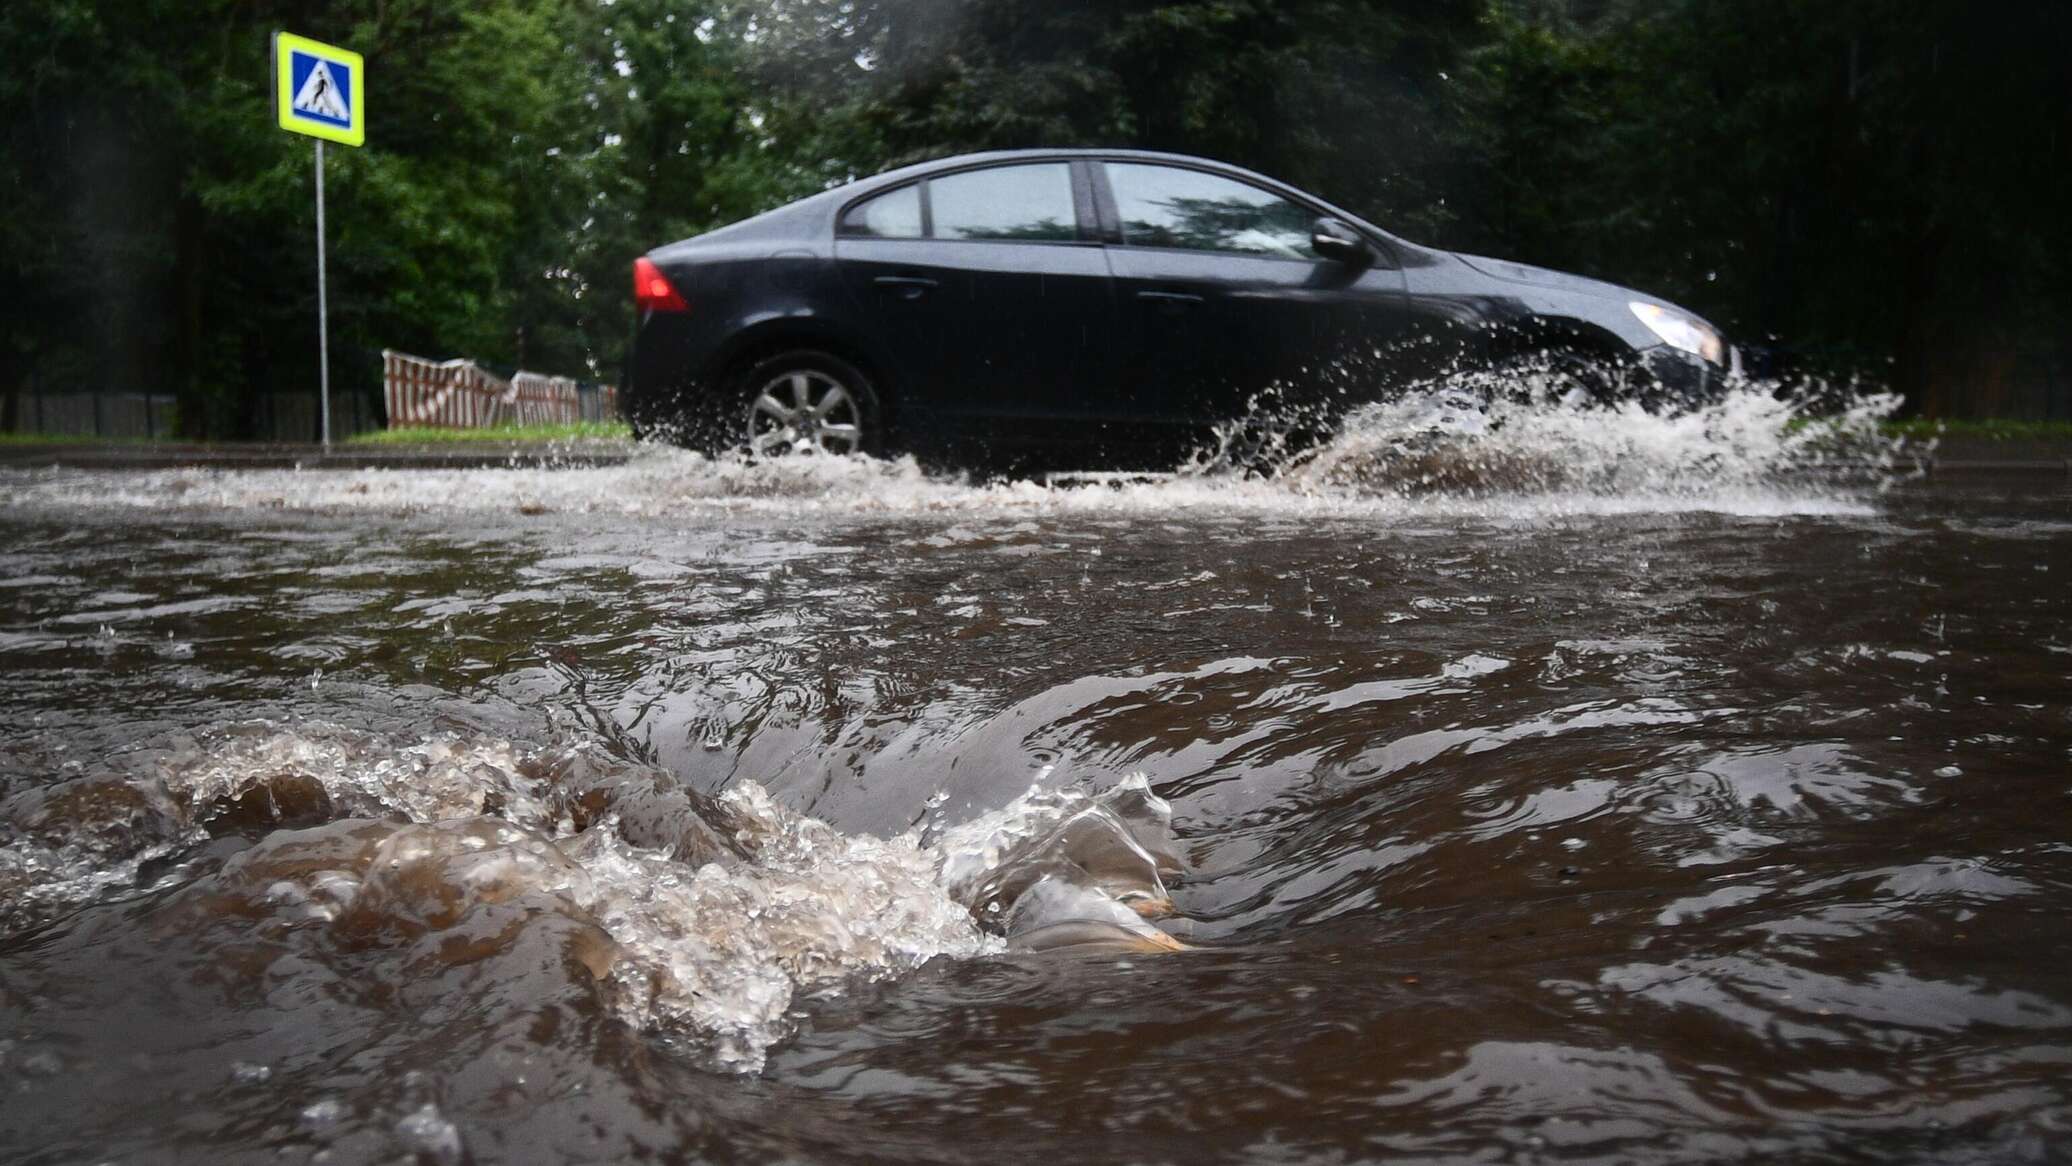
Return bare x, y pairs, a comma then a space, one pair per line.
1166, 206
1031, 203
894, 215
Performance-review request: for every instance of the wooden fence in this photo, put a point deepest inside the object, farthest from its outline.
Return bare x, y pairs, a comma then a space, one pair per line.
460, 394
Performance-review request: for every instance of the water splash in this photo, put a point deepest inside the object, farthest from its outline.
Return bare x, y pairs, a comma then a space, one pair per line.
702, 921
1743, 444
79, 839
1437, 452
1065, 869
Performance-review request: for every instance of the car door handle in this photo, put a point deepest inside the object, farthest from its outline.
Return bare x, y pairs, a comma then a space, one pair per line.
1173, 300
906, 287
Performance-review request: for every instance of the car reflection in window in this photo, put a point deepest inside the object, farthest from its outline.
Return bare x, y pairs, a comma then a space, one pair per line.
1041, 231
1198, 224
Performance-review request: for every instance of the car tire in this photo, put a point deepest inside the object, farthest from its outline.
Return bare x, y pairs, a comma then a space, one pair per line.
804, 401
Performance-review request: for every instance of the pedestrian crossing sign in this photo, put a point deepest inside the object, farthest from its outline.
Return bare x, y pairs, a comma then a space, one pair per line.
319, 90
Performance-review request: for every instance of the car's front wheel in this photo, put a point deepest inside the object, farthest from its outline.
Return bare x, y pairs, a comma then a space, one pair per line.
808, 402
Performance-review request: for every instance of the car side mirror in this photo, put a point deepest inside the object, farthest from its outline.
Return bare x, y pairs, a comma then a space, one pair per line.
1336, 239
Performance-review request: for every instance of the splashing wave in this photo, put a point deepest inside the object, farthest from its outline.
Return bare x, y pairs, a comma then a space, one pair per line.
701, 920
1433, 453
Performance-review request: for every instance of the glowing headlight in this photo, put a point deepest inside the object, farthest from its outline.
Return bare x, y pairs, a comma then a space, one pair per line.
1680, 331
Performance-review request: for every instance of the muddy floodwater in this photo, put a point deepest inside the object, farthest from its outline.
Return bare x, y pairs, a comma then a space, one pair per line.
1584, 789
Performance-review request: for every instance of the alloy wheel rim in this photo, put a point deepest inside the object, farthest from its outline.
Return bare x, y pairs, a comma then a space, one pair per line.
804, 411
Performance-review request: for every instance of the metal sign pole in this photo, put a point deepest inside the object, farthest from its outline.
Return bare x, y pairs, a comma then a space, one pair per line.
320, 90
323, 310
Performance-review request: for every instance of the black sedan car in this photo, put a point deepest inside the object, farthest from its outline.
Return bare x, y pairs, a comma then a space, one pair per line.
1107, 306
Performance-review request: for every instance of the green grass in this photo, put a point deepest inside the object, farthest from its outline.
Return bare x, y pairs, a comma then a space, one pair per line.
427, 435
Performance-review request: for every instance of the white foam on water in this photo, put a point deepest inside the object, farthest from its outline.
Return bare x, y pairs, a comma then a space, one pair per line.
40, 882
717, 953
438, 777
711, 947
1425, 455
79, 839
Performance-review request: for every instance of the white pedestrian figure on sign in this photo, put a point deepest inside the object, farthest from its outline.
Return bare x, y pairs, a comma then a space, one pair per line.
319, 95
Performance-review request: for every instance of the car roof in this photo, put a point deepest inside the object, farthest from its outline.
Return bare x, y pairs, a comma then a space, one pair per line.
1062, 153
985, 157
818, 208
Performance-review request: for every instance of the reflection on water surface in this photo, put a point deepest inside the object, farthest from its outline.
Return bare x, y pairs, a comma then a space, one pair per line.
729, 813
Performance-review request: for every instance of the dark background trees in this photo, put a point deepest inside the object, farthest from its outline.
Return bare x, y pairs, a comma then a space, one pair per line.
1874, 189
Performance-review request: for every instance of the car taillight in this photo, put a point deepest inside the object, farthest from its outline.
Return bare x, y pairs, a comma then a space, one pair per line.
651, 290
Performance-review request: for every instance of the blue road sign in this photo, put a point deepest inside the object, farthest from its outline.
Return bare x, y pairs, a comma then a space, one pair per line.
318, 89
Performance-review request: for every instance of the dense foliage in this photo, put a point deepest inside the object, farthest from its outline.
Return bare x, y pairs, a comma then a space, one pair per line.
1868, 186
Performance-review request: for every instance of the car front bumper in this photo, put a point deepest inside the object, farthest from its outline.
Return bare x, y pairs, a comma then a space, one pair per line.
1671, 376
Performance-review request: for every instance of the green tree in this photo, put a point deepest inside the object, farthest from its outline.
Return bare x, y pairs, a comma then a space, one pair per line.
166, 231
1873, 186
1868, 185
680, 142
1346, 97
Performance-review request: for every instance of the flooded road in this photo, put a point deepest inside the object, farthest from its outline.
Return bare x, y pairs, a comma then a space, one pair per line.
1605, 791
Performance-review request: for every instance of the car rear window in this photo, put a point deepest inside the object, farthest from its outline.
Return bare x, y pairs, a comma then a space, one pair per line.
1026, 203
895, 215
1167, 206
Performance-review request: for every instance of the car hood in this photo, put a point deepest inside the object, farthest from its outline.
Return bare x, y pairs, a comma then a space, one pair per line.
1526, 273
